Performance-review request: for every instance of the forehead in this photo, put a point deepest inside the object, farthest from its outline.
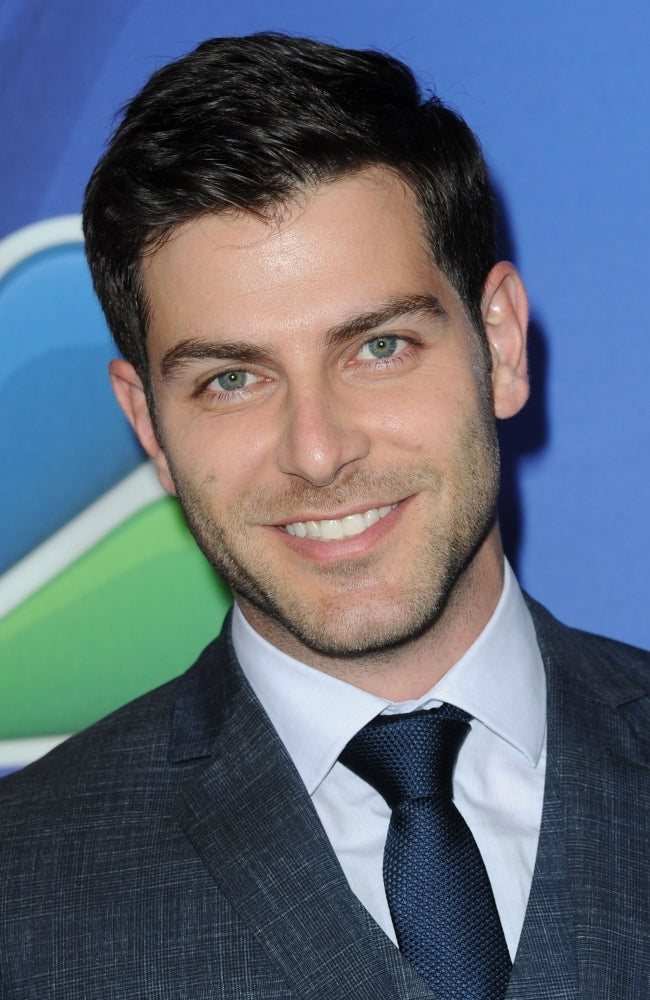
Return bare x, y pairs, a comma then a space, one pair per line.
343, 247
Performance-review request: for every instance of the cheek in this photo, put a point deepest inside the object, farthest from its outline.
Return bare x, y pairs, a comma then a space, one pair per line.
222, 452
425, 417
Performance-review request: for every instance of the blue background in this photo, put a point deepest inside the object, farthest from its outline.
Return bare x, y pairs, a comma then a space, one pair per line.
558, 94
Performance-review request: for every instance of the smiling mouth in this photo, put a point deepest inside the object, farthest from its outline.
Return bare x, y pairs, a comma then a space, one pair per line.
334, 529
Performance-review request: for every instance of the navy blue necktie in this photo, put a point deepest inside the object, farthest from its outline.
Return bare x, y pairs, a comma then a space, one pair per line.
438, 891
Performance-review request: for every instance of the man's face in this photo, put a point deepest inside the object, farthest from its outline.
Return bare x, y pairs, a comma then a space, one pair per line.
325, 414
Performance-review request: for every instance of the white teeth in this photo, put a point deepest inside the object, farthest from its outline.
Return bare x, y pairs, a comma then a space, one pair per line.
332, 530
353, 524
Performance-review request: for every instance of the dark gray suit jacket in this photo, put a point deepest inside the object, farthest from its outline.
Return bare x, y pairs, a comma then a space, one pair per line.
171, 851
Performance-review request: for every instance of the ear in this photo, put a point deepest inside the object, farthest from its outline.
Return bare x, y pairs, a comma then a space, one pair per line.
130, 394
505, 319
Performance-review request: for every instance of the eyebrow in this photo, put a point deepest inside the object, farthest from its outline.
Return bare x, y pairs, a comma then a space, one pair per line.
396, 308
196, 349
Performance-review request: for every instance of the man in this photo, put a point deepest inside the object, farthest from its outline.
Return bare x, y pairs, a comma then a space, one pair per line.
295, 255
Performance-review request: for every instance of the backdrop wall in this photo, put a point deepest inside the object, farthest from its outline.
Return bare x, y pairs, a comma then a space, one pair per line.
103, 593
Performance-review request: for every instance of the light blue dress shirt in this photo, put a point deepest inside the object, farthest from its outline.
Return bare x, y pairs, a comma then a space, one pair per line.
499, 776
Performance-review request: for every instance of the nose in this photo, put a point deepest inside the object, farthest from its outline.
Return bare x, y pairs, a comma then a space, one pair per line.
322, 435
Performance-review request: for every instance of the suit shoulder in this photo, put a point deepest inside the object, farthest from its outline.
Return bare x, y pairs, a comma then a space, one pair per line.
114, 753
126, 731
607, 661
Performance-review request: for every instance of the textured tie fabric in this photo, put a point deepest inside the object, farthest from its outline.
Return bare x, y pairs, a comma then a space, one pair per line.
437, 887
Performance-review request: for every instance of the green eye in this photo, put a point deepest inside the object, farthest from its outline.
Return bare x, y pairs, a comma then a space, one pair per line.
380, 347
233, 380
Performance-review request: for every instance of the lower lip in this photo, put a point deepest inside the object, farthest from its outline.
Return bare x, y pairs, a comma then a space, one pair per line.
345, 548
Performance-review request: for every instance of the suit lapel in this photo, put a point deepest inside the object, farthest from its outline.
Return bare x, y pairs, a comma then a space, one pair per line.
545, 964
250, 819
590, 891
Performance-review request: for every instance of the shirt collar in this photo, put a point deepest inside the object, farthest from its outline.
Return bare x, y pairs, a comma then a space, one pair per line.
499, 680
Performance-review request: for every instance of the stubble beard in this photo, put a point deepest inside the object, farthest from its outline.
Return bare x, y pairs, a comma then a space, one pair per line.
462, 516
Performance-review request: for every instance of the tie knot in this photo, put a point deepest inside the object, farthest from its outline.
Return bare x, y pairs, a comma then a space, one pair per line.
409, 756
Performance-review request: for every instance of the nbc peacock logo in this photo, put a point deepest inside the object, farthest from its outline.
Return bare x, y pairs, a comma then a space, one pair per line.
103, 593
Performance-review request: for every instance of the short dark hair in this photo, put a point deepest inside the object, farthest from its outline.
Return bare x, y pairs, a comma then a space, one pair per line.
248, 123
